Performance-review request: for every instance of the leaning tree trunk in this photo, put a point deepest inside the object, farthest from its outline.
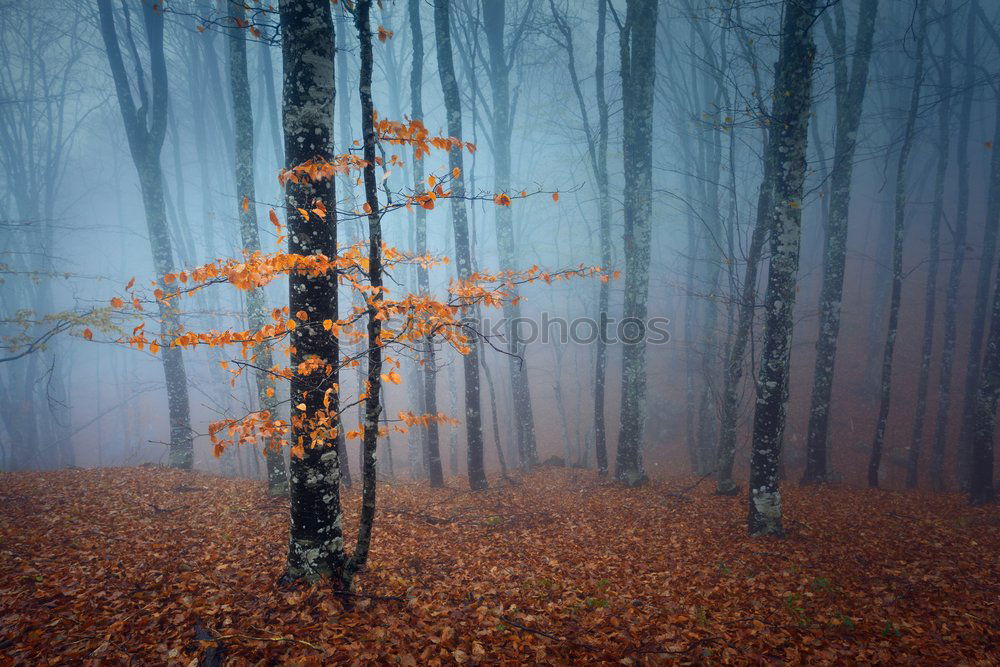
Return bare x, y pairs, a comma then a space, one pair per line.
316, 543
429, 366
958, 260
850, 99
277, 479
638, 71
792, 90
145, 141
934, 256
494, 14
460, 223
897, 252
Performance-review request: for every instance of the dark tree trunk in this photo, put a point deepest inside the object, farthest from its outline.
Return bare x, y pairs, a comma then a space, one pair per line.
958, 259
463, 254
981, 488
429, 367
850, 100
316, 543
934, 256
792, 90
638, 70
897, 252
145, 128
256, 306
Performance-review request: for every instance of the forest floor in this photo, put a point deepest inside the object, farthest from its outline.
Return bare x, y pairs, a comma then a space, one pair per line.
112, 566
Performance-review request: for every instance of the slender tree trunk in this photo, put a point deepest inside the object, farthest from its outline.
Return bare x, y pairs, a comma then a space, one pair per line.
638, 70
277, 479
792, 90
470, 361
494, 14
958, 259
934, 257
897, 252
429, 366
981, 487
316, 543
850, 100
145, 142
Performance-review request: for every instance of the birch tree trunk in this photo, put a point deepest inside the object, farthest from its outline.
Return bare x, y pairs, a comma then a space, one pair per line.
850, 100
316, 543
145, 128
897, 251
790, 123
256, 306
638, 70
460, 224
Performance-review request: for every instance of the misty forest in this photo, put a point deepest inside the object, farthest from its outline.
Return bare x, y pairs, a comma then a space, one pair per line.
499, 331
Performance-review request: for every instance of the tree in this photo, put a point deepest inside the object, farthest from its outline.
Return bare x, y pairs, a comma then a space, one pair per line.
460, 225
145, 128
790, 123
638, 71
897, 250
850, 100
316, 543
937, 212
429, 366
277, 480
499, 66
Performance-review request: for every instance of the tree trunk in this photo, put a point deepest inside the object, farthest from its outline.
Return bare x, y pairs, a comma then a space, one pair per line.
790, 123
470, 361
316, 543
958, 259
494, 14
145, 142
850, 100
256, 306
934, 257
429, 367
897, 252
638, 70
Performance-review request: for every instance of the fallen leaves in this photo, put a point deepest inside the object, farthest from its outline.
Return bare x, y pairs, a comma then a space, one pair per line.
111, 565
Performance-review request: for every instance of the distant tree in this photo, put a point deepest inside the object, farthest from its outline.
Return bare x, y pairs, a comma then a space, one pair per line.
898, 229
850, 94
145, 127
460, 225
790, 120
277, 479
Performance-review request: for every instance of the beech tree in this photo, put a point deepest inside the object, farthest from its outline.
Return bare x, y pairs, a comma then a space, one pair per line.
145, 127
790, 120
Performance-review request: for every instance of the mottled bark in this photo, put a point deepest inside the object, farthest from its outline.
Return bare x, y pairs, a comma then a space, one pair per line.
638, 71
145, 128
960, 232
934, 254
850, 100
460, 224
256, 306
790, 123
428, 367
898, 228
316, 542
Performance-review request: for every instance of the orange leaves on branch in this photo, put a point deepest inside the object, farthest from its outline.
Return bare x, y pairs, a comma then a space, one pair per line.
367, 208
117, 303
88, 334
384, 34
502, 199
555, 196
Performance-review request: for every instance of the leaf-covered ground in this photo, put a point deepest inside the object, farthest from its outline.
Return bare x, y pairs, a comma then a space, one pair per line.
114, 566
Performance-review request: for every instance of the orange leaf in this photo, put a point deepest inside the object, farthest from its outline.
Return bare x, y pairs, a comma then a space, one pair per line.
246, 203
88, 334
367, 208
555, 196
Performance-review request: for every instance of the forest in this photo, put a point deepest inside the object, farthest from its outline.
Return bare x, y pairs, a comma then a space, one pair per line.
499, 332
